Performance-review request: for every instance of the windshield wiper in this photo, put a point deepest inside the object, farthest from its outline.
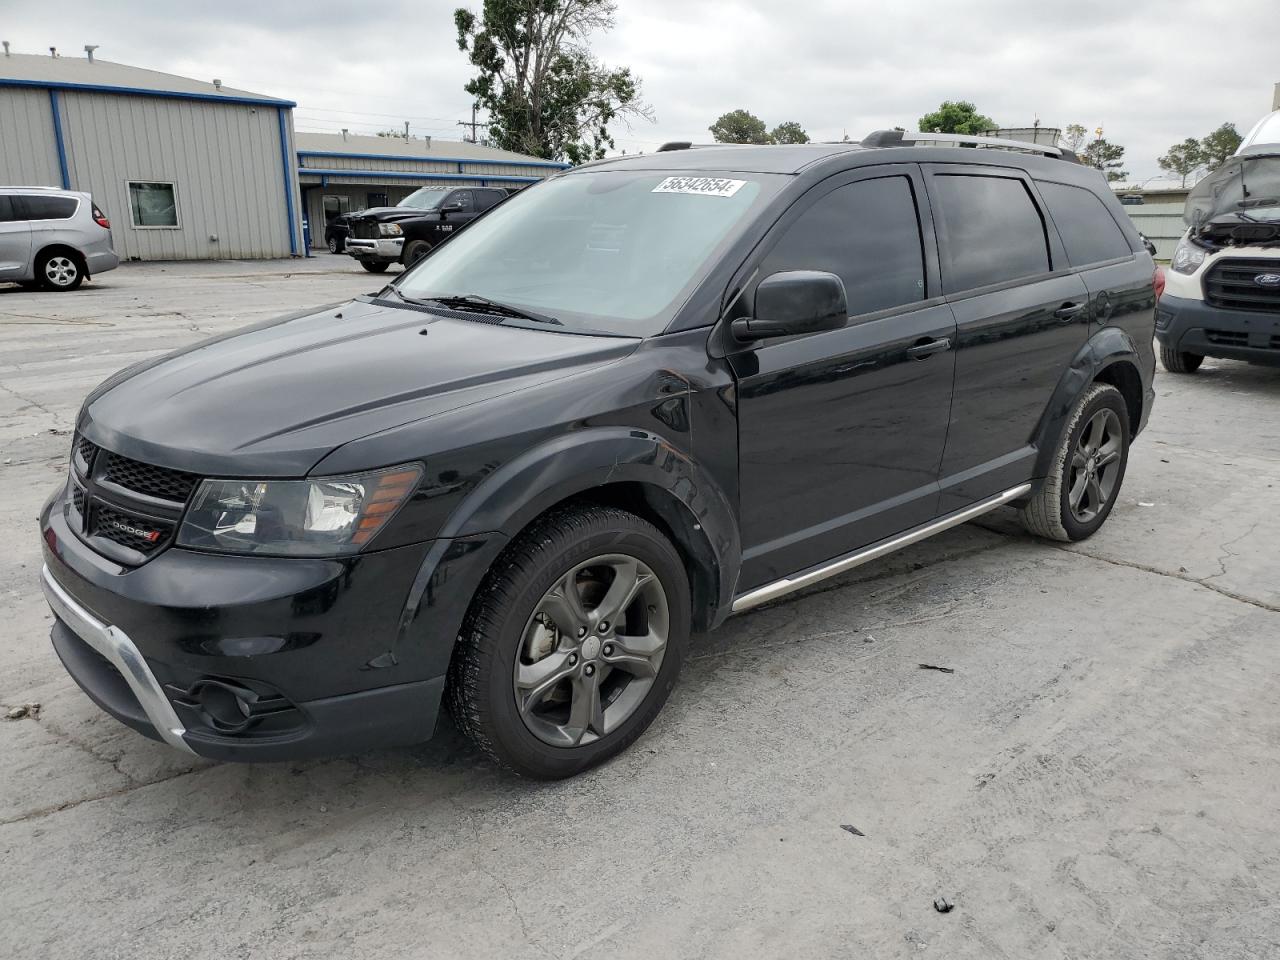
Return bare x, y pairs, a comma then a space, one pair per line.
477, 304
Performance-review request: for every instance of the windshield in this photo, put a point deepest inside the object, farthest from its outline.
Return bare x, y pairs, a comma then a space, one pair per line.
428, 198
609, 251
1247, 187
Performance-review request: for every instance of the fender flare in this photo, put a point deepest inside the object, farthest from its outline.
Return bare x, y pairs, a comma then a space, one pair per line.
573, 463
1107, 347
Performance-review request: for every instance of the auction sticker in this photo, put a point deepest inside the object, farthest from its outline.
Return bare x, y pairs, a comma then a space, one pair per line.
702, 186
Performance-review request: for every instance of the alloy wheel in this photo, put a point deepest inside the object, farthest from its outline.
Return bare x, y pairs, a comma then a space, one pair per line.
591, 650
1095, 465
61, 271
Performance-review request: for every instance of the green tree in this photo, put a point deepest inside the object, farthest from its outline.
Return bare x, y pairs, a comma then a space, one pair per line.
788, 132
1073, 137
739, 126
1183, 159
956, 116
545, 94
1219, 145
1107, 157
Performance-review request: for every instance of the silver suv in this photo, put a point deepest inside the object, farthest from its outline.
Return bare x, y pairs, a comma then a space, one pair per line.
52, 238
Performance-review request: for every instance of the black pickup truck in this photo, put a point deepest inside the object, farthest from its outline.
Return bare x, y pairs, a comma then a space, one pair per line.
405, 233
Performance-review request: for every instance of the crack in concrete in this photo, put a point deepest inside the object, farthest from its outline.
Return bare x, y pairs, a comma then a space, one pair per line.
1227, 552
107, 795
29, 402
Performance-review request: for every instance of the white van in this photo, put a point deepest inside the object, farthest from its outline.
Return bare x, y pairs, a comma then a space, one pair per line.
1222, 292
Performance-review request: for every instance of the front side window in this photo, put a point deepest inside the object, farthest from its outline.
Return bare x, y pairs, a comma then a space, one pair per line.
460, 200
867, 234
153, 204
991, 231
426, 198
1088, 232
45, 207
611, 251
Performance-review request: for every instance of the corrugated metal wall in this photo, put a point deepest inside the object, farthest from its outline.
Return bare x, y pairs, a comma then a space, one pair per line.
29, 156
410, 165
224, 160
1161, 222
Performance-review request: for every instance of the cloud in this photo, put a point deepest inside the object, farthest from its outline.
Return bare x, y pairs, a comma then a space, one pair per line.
1150, 73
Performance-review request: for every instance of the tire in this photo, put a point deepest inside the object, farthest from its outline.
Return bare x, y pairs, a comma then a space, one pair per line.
334, 245
59, 271
414, 252
375, 266
1176, 362
489, 664
1051, 513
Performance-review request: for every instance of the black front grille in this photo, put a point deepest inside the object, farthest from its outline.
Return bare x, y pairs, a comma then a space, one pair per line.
125, 509
140, 534
1233, 284
143, 478
364, 229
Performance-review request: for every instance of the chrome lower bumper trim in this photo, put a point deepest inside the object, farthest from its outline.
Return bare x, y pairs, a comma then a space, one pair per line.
780, 588
115, 645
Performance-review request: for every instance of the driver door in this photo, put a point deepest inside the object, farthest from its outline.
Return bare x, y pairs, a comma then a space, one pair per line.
841, 433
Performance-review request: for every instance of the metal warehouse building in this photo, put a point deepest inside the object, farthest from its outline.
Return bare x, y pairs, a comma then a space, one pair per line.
193, 170
341, 174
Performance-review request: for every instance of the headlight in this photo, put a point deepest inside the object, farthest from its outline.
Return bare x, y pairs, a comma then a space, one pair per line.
312, 518
390, 229
1187, 257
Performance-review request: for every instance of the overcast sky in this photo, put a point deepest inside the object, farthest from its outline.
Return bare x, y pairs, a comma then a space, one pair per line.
1150, 73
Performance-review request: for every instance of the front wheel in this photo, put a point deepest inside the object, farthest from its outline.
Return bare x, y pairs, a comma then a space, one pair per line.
1178, 362
375, 266
572, 643
334, 245
414, 252
1084, 479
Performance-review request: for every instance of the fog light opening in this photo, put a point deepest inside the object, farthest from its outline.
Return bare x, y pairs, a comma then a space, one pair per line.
228, 708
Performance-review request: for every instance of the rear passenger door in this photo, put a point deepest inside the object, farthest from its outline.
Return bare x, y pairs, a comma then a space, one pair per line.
15, 240
1021, 316
840, 433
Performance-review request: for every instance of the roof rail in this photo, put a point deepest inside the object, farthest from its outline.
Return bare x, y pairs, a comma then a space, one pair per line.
901, 138
690, 145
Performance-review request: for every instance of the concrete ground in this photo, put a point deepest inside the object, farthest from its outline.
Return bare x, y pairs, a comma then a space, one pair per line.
1099, 777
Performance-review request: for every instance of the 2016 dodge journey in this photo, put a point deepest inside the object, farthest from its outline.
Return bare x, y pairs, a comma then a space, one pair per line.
636, 398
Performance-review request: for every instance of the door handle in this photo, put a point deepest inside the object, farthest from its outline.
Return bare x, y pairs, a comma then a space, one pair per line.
1069, 311
927, 348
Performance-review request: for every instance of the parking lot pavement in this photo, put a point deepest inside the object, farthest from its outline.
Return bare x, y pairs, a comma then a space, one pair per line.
1098, 777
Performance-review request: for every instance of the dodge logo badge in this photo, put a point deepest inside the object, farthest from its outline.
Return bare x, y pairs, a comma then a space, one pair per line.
1267, 279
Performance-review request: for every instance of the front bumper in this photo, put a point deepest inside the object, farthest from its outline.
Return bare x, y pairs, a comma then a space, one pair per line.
384, 248
1193, 326
316, 647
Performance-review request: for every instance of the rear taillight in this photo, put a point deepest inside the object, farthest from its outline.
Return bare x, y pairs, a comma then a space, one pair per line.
1157, 281
100, 218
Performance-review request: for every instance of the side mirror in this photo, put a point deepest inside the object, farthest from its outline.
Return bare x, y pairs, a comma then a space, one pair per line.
454, 207
796, 301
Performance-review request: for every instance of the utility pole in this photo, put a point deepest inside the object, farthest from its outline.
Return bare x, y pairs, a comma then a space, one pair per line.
473, 124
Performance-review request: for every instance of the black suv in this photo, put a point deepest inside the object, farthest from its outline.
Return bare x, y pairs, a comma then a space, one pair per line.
640, 396
407, 232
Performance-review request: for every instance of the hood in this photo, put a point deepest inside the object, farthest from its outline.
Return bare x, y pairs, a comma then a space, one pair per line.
1244, 190
391, 213
271, 401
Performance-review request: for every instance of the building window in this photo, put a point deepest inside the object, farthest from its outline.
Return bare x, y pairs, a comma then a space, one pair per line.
153, 204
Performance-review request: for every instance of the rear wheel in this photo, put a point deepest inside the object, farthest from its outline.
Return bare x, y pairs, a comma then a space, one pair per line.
1076, 497
334, 245
375, 266
573, 642
59, 271
1178, 362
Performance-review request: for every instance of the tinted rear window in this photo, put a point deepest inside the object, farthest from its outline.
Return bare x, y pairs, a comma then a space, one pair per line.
867, 234
992, 231
8, 212
1088, 231
48, 208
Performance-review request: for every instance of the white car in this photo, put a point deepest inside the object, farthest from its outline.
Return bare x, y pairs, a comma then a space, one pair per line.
1222, 292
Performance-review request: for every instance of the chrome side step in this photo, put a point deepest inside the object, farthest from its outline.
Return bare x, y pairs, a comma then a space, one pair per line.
798, 581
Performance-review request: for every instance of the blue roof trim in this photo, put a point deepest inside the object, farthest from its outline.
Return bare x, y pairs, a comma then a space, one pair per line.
432, 159
142, 92
397, 175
